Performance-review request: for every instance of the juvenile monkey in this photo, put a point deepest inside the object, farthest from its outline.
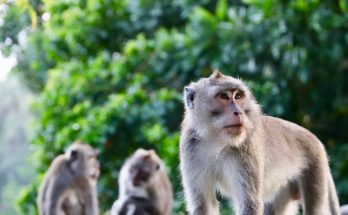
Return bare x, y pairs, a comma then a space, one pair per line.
69, 186
144, 187
264, 164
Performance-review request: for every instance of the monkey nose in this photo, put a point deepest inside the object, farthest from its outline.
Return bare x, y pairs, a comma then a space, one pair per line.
236, 118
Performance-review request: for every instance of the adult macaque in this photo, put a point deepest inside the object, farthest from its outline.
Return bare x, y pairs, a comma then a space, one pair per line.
144, 186
69, 186
260, 162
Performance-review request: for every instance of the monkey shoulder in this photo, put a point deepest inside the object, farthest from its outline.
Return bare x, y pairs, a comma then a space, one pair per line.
280, 126
59, 172
58, 163
189, 140
191, 136
278, 131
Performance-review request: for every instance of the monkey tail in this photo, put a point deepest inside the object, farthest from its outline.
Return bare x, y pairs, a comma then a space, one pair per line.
333, 199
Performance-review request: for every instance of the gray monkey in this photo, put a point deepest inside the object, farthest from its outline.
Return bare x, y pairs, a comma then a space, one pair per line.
69, 186
144, 186
263, 163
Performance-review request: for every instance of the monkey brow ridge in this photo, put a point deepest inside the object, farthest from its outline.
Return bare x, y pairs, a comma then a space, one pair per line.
225, 85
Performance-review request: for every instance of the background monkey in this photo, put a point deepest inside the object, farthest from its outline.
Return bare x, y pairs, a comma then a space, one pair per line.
144, 187
228, 145
69, 186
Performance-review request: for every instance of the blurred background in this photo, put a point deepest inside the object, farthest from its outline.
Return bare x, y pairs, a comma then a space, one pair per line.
112, 72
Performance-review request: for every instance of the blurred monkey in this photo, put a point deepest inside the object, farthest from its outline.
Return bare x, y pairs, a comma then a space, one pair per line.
144, 187
70, 184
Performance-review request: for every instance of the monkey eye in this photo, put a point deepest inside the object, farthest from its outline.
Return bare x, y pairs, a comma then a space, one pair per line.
238, 96
224, 96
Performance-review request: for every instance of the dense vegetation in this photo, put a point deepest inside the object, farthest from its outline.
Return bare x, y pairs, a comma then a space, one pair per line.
111, 72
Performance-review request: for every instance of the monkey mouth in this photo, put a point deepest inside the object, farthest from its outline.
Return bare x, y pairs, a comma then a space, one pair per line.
234, 129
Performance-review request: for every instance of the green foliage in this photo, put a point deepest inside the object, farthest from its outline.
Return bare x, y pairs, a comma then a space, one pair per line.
111, 73
12, 23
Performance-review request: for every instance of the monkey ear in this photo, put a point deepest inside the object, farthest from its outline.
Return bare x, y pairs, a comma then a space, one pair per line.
216, 74
72, 155
189, 97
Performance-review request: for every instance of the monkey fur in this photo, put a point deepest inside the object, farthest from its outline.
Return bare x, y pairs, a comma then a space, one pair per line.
144, 187
264, 164
69, 185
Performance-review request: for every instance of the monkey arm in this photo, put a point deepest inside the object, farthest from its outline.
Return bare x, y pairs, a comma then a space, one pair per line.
60, 182
244, 178
54, 197
41, 200
92, 206
197, 180
115, 209
48, 185
202, 201
90, 197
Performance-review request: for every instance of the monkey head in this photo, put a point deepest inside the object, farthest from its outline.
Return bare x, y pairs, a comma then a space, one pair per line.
220, 107
82, 159
143, 166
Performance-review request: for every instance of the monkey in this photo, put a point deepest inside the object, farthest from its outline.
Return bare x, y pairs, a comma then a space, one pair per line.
264, 164
144, 187
344, 210
69, 186
134, 205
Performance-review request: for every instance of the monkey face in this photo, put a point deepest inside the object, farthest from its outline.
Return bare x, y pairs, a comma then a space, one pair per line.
144, 167
83, 160
227, 104
141, 173
93, 165
220, 106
